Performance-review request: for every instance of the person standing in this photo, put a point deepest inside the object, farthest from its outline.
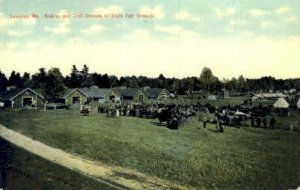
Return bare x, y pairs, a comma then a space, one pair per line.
272, 123
204, 122
221, 127
252, 122
217, 124
264, 121
258, 122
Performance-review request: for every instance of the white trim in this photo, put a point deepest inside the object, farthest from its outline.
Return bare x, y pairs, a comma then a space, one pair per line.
113, 89
66, 96
24, 91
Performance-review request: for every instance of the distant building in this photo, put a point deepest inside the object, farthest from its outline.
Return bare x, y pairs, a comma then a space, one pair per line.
223, 94
22, 98
158, 94
95, 94
142, 95
132, 95
115, 95
83, 95
75, 96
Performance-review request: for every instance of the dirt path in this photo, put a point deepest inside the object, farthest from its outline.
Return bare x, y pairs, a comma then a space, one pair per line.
123, 178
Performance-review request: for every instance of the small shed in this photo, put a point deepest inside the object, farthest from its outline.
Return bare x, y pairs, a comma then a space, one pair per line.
281, 103
22, 98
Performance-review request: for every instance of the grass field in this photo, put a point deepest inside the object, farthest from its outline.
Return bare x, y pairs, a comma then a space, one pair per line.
25, 171
246, 158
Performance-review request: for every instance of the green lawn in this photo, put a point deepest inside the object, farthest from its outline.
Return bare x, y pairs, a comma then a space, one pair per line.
25, 171
246, 158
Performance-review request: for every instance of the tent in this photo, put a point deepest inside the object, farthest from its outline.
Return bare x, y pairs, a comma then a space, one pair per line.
239, 113
281, 103
298, 103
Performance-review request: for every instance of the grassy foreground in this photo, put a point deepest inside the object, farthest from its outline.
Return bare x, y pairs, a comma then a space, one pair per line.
247, 158
25, 171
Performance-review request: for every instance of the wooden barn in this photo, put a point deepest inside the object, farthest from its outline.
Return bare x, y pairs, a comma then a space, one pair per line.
83, 95
75, 96
129, 94
158, 94
113, 95
132, 95
95, 94
140, 95
22, 98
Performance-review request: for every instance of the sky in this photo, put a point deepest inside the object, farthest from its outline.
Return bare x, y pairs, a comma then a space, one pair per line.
177, 38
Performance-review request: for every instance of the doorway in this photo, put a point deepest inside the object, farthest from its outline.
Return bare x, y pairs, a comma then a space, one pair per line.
27, 101
76, 100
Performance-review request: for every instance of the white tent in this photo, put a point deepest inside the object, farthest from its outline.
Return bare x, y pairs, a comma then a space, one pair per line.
239, 113
281, 103
298, 104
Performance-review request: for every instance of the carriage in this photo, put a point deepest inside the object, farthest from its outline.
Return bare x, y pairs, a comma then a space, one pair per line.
85, 110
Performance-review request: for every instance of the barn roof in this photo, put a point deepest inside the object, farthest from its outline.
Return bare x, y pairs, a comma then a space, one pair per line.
154, 92
95, 92
128, 92
69, 91
12, 94
88, 92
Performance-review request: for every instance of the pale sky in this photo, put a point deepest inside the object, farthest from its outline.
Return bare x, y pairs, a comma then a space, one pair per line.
254, 38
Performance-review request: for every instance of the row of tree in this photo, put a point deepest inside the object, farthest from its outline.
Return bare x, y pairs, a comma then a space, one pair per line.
52, 83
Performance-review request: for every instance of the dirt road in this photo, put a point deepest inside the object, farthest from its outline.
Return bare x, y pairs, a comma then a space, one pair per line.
118, 177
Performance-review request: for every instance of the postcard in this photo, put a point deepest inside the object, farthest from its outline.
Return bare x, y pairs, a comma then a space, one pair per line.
178, 94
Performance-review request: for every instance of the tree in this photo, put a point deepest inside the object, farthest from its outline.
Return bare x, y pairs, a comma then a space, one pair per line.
143, 81
133, 82
75, 79
3, 81
15, 79
161, 81
208, 79
54, 84
38, 79
86, 79
113, 81
26, 79
104, 83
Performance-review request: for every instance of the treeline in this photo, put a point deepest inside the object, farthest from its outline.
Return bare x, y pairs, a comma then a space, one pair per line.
52, 83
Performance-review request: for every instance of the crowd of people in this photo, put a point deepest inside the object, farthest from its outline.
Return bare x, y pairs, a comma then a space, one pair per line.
173, 115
